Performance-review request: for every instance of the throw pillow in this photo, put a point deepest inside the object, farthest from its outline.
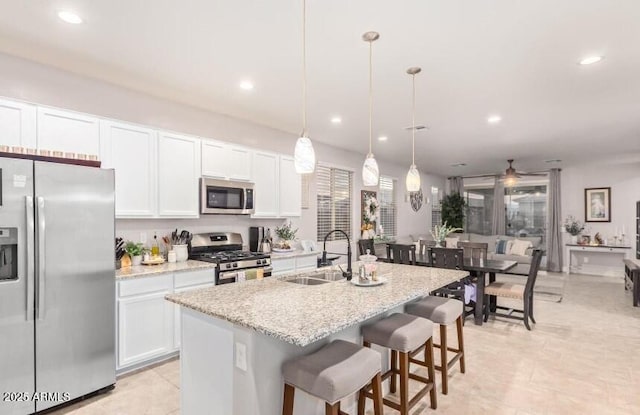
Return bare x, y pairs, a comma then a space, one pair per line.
501, 246
519, 247
451, 242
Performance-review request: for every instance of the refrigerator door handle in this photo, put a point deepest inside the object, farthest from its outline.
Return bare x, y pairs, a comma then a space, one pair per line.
41, 259
30, 252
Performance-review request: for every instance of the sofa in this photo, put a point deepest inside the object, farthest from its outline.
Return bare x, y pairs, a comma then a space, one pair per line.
524, 261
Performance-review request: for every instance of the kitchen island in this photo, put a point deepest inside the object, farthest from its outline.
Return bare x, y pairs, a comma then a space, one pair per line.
235, 337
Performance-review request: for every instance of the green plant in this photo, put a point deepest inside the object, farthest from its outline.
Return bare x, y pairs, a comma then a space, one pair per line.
134, 248
441, 232
286, 232
453, 207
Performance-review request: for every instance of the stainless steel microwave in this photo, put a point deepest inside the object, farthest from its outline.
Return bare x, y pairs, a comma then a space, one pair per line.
226, 197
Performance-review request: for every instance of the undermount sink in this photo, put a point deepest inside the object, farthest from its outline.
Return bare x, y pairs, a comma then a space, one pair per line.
327, 275
305, 280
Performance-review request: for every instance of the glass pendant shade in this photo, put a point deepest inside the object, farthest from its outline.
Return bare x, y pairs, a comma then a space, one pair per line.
370, 171
304, 156
510, 181
413, 179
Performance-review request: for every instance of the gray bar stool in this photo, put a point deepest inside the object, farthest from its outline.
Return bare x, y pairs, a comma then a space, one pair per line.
334, 372
442, 311
403, 334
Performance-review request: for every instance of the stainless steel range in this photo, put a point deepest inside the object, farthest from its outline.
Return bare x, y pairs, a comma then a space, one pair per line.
225, 249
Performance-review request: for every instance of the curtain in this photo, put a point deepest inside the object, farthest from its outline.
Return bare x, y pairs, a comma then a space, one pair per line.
456, 185
499, 213
554, 235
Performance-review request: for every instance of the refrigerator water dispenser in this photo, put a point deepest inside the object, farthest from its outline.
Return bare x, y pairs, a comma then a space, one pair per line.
8, 254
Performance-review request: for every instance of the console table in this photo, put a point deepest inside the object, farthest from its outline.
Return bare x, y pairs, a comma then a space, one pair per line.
632, 279
589, 250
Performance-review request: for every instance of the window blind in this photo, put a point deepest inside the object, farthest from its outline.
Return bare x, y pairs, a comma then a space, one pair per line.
387, 199
334, 190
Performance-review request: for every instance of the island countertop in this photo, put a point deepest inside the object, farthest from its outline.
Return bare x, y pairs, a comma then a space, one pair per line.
301, 314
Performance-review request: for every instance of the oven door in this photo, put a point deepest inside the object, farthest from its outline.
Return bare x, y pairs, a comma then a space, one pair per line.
226, 197
228, 277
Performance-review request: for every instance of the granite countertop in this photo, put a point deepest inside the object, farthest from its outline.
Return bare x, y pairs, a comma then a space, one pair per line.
293, 254
138, 271
302, 314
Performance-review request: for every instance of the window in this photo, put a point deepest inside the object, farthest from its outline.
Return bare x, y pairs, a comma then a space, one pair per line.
334, 190
387, 199
479, 215
436, 207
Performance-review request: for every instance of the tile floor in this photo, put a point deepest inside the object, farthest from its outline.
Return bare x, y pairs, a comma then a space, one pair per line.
583, 357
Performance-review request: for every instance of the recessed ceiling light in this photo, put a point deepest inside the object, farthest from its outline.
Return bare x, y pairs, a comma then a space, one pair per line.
458, 164
590, 60
246, 85
69, 17
383, 138
494, 119
336, 120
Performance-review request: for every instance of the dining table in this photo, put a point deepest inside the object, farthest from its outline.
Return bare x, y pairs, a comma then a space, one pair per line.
481, 267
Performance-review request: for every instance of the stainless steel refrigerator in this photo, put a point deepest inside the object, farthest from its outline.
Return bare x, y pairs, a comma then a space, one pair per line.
57, 285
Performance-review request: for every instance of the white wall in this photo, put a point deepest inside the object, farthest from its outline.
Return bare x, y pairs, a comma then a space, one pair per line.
623, 176
29, 81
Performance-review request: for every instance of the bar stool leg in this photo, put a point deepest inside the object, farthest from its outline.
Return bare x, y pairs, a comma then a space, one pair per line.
404, 383
394, 368
428, 358
289, 393
444, 362
459, 322
377, 396
332, 409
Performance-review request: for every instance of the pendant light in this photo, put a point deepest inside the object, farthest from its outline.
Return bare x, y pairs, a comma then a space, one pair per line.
304, 154
370, 171
413, 176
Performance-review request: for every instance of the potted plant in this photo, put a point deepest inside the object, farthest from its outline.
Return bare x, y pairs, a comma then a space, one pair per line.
286, 234
439, 233
453, 206
135, 251
573, 227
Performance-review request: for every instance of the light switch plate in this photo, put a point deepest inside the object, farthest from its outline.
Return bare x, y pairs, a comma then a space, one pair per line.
241, 356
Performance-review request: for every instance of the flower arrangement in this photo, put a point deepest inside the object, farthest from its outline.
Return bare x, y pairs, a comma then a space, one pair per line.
439, 233
286, 232
573, 226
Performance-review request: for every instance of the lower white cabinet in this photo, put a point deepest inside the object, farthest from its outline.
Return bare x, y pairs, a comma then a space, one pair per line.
149, 325
290, 264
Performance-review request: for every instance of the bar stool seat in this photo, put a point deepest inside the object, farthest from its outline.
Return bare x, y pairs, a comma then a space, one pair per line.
403, 334
442, 311
332, 373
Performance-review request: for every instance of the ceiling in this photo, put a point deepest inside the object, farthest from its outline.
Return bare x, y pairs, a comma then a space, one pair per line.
515, 58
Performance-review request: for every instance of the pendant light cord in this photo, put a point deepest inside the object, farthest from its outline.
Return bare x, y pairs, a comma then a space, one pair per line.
304, 68
370, 97
413, 130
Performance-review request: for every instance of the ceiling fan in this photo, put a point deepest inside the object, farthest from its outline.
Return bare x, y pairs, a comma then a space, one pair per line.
511, 175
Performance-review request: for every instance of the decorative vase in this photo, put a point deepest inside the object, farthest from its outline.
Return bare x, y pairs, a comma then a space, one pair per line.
574, 239
182, 252
365, 234
136, 260
439, 244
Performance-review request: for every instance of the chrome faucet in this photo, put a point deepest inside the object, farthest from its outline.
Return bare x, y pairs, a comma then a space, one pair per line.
348, 273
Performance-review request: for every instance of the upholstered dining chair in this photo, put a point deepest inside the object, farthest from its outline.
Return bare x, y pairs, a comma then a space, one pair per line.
364, 244
515, 291
401, 254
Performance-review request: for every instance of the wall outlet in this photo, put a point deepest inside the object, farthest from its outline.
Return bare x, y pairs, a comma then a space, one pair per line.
143, 237
586, 260
241, 356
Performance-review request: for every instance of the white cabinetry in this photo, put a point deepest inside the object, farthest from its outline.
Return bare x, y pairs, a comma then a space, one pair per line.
293, 263
17, 124
187, 281
225, 161
145, 319
68, 131
178, 174
132, 151
265, 177
290, 190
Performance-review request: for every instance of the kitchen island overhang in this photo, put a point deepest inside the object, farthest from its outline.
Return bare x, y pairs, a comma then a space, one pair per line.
235, 337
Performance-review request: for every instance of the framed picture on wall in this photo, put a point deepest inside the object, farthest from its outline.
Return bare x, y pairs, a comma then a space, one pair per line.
597, 204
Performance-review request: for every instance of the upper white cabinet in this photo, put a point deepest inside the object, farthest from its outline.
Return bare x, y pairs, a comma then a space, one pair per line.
265, 177
290, 188
68, 131
132, 151
178, 175
17, 124
225, 161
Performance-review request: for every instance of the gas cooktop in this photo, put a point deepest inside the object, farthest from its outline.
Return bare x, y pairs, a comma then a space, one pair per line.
229, 256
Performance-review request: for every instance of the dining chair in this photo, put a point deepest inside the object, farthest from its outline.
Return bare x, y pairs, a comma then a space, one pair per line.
515, 291
452, 258
474, 250
425, 245
401, 254
364, 244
